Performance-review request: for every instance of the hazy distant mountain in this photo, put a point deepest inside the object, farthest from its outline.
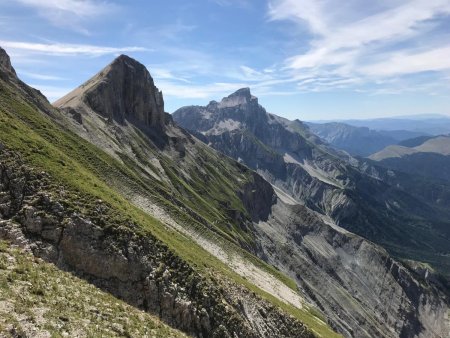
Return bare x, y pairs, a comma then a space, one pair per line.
425, 156
438, 145
402, 135
425, 124
360, 141
414, 142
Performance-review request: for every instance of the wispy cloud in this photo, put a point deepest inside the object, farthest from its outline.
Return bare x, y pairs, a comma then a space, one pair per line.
62, 49
353, 47
166, 74
70, 13
250, 74
212, 90
359, 42
44, 77
52, 93
437, 59
81, 8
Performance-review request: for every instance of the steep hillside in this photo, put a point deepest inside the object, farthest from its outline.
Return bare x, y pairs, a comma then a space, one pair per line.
428, 157
38, 300
155, 217
357, 196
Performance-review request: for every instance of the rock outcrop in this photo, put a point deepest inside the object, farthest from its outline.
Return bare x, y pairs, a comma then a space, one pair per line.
6, 69
122, 91
59, 216
361, 289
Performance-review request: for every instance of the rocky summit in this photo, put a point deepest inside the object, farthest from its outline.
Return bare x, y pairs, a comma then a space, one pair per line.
123, 90
116, 221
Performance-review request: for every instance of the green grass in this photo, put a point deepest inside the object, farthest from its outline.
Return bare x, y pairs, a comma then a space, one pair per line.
90, 174
45, 299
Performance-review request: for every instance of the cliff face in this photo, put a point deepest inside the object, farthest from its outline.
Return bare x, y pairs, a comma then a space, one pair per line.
6, 69
361, 289
124, 90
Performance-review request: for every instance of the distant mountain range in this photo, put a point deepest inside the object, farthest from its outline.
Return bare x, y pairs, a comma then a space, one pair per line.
432, 124
425, 156
361, 141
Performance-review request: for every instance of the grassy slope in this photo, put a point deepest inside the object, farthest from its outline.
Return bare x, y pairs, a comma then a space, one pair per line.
87, 172
38, 299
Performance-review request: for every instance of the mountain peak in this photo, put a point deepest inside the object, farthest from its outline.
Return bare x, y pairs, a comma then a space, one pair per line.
123, 90
123, 59
243, 92
5, 64
239, 97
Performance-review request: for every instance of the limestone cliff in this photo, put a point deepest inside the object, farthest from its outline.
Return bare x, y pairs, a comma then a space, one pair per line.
124, 90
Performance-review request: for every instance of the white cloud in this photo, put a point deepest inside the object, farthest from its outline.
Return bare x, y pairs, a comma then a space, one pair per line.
361, 42
309, 11
165, 74
70, 13
437, 59
81, 8
250, 74
207, 91
62, 49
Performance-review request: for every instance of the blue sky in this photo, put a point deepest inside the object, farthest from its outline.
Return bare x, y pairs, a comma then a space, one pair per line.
306, 59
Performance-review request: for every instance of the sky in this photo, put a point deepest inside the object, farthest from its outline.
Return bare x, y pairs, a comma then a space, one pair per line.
303, 59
